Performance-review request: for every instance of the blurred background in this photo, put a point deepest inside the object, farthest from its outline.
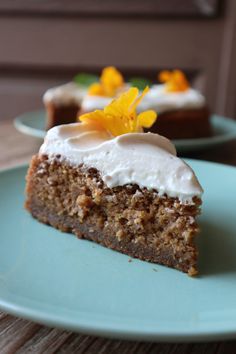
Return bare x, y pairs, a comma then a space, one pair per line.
45, 43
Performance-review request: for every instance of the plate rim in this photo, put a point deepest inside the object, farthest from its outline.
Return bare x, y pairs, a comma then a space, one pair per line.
227, 331
115, 332
25, 129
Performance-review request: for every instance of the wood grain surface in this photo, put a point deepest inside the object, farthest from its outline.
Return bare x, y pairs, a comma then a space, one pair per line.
22, 336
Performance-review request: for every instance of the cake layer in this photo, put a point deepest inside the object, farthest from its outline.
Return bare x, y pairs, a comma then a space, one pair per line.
162, 101
57, 115
129, 219
183, 124
146, 159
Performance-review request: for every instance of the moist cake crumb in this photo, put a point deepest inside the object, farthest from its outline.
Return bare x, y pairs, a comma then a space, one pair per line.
129, 219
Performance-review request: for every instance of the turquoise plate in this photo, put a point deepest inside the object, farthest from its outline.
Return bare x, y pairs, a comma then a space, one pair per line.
33, 123
53, 278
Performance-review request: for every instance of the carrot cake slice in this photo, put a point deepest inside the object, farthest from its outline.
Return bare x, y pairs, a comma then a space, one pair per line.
182, 110
105, 180
63, 103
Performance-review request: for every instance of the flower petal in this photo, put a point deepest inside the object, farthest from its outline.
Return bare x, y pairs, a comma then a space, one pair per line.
97, 116
139, 99
120, 116
121, 105
111, 77
164, 76
110, 80
147, 118
96, 89
175, 81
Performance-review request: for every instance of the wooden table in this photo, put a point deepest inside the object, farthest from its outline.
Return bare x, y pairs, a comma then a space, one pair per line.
22, 336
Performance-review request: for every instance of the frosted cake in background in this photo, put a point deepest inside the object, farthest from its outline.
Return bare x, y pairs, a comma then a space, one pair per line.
182, 110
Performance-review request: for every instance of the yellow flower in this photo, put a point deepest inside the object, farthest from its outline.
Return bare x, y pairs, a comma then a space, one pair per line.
175, 81
110, 80
120, 117
96, 89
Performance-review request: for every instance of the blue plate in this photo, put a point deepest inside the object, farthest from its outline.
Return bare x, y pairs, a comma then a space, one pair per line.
53, 278
224, 129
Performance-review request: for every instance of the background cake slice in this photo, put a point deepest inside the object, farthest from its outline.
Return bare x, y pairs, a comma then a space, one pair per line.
183, 113
182, 110
127, 192
63, 103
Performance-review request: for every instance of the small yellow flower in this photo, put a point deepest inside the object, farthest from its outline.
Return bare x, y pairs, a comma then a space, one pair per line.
110, 80
96, 89
120, 117
175, 81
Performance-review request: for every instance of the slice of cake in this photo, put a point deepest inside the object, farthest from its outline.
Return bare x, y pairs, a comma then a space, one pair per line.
63, 103
106, 181
182, 110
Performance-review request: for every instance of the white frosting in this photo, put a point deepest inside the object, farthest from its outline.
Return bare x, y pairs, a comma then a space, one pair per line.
146, 159
156, 99
65, 94
91, 103
161, 101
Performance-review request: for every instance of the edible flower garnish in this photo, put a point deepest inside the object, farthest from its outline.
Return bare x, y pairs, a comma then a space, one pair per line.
120, 116
110, 80
175, 81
